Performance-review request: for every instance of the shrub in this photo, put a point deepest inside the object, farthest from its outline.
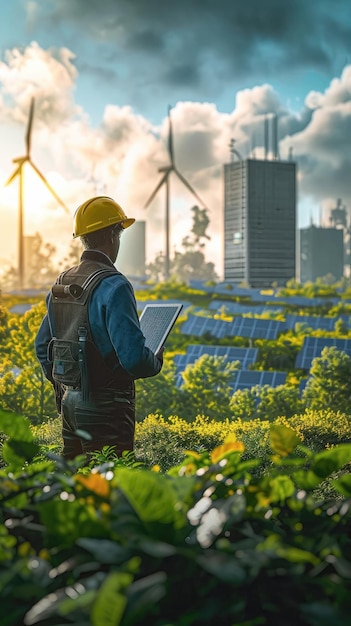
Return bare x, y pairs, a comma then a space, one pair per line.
208, 542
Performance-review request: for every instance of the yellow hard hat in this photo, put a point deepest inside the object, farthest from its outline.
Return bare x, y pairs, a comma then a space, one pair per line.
97, 213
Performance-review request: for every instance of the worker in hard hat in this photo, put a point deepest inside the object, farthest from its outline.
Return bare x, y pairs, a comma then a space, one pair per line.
89, 343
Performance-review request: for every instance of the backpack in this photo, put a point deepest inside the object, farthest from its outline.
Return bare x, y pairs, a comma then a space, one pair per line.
72, 352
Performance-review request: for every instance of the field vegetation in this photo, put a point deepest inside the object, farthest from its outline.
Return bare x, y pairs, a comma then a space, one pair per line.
233, 510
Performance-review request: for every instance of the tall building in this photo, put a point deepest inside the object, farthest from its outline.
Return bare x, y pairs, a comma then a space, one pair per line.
321, 253
131, 255
260, 222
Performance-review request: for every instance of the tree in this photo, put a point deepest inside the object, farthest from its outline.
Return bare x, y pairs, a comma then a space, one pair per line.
341, 328
156, 269
40, 269
74, 253
329, 385
266, 403
190, 263
4, 327
207, 388
23, 386
157, 394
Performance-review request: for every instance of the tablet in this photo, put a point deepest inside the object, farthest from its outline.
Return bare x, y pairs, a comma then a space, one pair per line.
156, 322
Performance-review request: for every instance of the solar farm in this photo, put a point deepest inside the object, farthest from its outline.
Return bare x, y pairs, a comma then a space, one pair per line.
237, 313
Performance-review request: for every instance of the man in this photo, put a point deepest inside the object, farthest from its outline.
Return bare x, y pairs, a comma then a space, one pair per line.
90, 344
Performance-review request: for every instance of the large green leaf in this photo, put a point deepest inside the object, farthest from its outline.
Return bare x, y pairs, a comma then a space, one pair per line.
15, 426
143, 595
67, 521
328, 461
110, 602
20, 446
15, 452
283, 440
104, 550
151, 495
343, 485
223, 566
324, 464
282, 487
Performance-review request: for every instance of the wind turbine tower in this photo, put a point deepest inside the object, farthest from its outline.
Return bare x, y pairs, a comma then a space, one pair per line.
19, 171
166, 170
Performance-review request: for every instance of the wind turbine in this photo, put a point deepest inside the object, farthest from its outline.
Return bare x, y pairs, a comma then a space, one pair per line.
19, 171
166, 171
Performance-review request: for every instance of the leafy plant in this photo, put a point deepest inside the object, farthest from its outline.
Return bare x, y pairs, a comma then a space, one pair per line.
211, 541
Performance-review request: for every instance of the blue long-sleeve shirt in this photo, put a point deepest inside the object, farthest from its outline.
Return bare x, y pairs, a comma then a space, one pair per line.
114, 325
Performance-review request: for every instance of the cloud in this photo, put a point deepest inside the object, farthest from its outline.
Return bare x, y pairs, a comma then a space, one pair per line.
199, 45
321, 148
49, 75
122, 155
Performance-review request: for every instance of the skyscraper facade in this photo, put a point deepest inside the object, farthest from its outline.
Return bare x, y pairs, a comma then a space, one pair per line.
260, 222
322, 253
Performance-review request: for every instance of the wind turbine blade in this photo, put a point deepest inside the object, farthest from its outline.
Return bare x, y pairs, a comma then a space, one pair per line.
162, 181
191, 189
29, 127
14, 174
170, 137
47, 184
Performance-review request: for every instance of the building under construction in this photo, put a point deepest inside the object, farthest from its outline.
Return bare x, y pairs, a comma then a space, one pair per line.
260, 218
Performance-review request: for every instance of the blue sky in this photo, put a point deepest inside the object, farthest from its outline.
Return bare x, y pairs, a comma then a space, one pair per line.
103, 74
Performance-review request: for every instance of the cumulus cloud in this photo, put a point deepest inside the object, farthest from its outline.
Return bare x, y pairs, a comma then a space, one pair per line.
50, 75
321, 148
122, 155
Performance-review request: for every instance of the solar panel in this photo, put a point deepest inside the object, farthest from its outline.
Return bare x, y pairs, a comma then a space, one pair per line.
197, 325
246, 356
225, 288
245, 379
250, 378
241, 309
201, 285
313, 321
303, 301
313, 346
252, 328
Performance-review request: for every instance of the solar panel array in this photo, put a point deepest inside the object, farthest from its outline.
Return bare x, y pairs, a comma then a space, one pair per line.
197, 326
245, 379
225, 288
250, 378
246, 356
257, 296
303, 301
313, 346
236, 308
251, 328
314, 321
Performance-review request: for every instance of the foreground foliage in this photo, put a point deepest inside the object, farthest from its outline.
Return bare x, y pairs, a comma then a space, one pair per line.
213, 540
